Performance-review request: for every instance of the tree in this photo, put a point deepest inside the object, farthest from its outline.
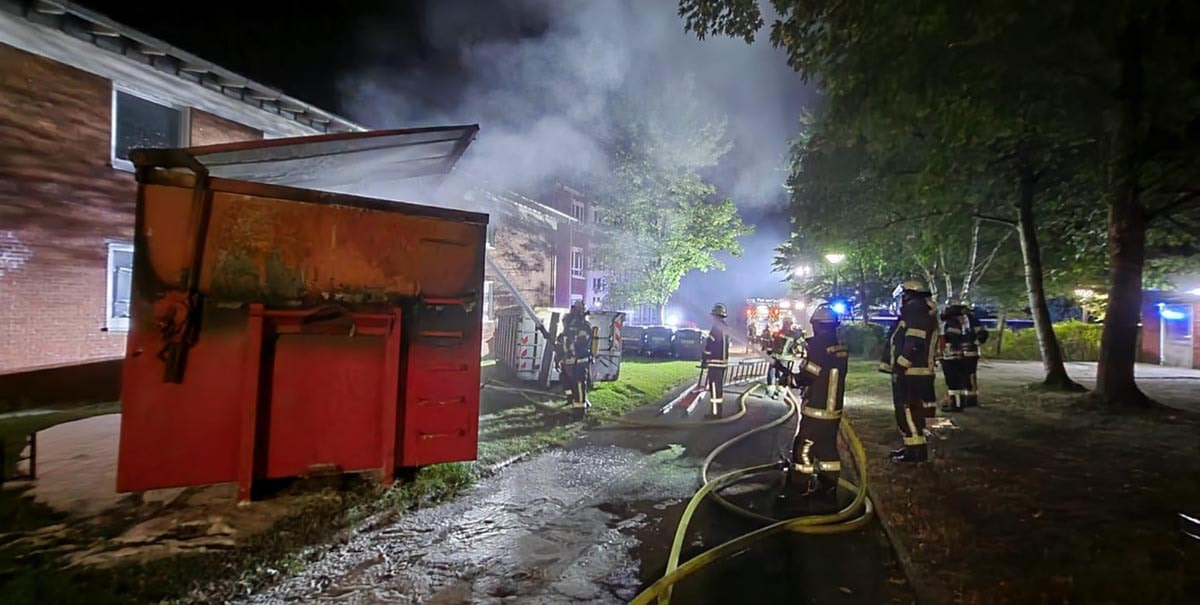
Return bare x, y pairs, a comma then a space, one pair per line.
661, 219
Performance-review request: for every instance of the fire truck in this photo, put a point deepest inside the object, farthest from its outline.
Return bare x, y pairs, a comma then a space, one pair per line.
766, 316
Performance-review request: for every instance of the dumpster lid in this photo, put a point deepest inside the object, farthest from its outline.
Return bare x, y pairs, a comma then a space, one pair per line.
379, 163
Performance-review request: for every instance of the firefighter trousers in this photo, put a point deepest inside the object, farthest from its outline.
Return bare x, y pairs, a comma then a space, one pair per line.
716, 388
955, 371
970, 382
779, 376
815, 461
575, 380
913, 399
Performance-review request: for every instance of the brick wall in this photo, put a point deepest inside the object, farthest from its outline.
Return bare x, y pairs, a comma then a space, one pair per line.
60, 201
1149, 349
208, 129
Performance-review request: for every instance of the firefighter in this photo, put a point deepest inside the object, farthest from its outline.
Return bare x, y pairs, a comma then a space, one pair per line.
574, 349
974, 334
953, 362
782, 350
716, 359
910, 357
815, 463
751, 336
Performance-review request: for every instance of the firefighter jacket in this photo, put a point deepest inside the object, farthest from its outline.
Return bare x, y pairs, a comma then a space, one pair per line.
974, 334
787, 345
716, 348
911, 349
823, 371
954, 337
575, 342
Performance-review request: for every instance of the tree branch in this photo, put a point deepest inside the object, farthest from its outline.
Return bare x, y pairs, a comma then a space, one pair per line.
988, 261
998, 220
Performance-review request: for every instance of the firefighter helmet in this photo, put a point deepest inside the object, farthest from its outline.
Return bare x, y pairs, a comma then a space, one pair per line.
915, 286
719, 310
823, 315
579, 307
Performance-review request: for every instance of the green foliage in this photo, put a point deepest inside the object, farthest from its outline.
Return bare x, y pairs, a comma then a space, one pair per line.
1078, 341
661, 218
863, 340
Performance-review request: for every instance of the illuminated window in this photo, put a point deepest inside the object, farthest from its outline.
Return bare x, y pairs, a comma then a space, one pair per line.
119, 286
576, 262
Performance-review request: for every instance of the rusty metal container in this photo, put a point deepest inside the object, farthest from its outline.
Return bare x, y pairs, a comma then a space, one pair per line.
278, 331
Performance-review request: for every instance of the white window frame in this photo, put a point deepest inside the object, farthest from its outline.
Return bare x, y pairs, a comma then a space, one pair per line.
577, 272
115, 324
489, 240
489, 302
579, 211
185, 122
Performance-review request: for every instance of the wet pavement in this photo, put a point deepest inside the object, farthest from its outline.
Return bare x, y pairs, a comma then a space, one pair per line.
593, 523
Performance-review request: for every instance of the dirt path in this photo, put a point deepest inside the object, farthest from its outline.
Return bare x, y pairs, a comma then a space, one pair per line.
1174, 387
592, 523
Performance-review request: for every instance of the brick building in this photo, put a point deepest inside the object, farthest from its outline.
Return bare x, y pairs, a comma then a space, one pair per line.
1170, 325
77, 91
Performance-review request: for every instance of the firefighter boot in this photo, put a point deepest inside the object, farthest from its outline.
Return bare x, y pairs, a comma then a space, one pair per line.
912, 454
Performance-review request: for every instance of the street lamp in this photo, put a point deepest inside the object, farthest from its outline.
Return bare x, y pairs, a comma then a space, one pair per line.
835, 259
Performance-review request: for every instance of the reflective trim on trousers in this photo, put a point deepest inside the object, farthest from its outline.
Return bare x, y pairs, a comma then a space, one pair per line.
914, 440
918, 371
912, 426
820, 414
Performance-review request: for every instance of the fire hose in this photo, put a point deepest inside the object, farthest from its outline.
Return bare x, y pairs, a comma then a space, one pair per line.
852, 517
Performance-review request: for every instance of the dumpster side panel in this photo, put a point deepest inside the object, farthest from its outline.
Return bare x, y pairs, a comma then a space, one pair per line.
174, 434
300, 360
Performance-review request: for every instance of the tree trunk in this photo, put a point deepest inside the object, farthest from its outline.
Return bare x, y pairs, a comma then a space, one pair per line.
662, 314
1126, 240
1052, 358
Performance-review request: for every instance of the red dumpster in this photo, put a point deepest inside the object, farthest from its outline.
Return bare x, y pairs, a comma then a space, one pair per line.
276, 331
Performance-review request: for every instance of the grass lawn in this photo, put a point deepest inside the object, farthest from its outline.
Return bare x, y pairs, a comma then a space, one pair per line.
536, 424
1038, 497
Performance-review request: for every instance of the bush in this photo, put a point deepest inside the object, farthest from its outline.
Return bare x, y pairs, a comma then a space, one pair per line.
1078, 341
862, 340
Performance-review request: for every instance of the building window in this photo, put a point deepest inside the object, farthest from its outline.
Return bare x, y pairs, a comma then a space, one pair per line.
577, 210
119, 287
140, 122
576, 262
597, 283
489, 306
595, 215
595, 301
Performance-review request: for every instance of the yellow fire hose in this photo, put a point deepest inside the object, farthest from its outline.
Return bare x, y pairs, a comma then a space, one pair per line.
844, 520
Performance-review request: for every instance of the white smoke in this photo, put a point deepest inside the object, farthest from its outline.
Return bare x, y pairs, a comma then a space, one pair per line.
540, 77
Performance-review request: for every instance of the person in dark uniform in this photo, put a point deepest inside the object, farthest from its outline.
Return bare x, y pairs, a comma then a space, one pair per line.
974, 335
953, 363
782, 350
716, 359
910, 357
574, 348
815, 462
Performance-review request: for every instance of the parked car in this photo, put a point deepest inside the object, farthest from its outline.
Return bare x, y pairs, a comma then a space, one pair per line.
658, 341
633, 340
689, 343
